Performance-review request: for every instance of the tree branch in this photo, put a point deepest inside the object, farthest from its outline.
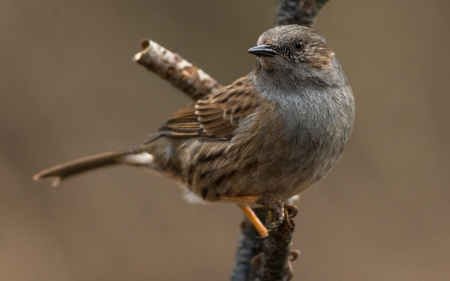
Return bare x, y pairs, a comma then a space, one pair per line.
273, 262
301, 12
265, 259
179, 72
249, 246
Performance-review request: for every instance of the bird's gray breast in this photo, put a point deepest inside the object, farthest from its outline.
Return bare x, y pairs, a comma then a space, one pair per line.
309, 130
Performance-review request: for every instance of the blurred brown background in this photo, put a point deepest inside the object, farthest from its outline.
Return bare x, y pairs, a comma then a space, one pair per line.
69, 89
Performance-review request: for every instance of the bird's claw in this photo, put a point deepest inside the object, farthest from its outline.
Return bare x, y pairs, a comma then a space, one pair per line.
275, 212
291, 210
294, 255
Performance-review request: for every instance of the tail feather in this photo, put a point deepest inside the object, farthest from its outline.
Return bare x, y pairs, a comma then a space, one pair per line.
75, 167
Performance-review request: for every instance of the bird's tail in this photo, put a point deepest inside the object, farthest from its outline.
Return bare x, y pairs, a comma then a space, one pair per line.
75, 167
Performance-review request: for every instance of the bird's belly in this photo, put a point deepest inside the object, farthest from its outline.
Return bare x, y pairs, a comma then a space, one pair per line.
266, 173
286, 170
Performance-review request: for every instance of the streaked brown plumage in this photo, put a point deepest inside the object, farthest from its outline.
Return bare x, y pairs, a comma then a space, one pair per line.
275, 132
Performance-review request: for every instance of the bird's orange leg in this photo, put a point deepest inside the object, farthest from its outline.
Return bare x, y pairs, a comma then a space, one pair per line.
259, 226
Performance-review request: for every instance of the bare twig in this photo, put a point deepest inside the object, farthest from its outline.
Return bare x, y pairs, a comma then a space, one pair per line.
179, 72
260, 259
249, 246
273, 262
301, 12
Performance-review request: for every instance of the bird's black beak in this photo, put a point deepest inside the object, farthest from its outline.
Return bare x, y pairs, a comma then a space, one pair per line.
263, 50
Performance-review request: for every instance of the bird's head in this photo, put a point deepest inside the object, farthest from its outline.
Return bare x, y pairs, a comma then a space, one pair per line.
293, 50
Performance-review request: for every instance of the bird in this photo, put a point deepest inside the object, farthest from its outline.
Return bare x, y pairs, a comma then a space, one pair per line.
264, 139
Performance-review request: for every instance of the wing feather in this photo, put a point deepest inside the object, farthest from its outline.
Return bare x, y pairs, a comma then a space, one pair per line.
216, 115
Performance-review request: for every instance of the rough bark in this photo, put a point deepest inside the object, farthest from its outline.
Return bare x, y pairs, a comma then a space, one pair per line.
182, 74
265, 259
249, 246
301, 12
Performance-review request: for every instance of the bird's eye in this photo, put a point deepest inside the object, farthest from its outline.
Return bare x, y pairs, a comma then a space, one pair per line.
298, 45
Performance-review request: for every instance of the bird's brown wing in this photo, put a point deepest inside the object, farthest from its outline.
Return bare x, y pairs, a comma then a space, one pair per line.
215, 115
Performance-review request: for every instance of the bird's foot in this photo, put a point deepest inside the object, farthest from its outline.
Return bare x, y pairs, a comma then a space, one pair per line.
277, 210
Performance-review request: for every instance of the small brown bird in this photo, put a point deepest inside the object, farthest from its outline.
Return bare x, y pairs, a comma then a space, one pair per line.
265, 138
